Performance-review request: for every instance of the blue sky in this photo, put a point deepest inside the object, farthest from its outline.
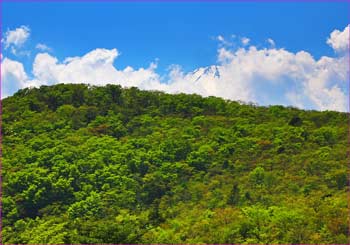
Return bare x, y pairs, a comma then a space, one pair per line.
179, 38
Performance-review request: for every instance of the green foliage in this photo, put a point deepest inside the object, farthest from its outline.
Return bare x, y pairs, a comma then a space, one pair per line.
85, 164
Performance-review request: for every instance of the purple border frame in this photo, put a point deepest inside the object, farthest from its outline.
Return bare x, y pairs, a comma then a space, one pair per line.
0, 122
167, 1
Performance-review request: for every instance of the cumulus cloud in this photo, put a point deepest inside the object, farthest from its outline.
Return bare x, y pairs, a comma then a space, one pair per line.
13, 76
15, 39
339, 40
95, 67
43, 47
262, 75
270, 76
224, 55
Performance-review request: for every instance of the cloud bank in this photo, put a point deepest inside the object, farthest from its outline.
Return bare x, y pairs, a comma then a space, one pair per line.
264, 75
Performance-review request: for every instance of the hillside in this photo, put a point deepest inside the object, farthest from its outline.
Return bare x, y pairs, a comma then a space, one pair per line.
111, 165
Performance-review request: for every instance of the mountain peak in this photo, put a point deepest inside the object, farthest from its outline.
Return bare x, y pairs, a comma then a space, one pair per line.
209, 71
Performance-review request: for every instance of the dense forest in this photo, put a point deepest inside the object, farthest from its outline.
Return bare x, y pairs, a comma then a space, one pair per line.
88, 164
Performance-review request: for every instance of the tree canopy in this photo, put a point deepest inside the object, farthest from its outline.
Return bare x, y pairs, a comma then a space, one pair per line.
88, 164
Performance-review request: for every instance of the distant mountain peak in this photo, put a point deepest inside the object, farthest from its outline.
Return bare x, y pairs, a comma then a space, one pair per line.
209, 71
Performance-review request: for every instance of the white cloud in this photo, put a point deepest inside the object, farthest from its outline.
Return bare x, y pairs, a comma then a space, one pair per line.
326, 86
95, 67
245, 40
223, 41
13, 76
220, 38
213, 80
224, 55
14, 39
271, 42
19, 52
271, 76
339, 40
43, 47
265, 76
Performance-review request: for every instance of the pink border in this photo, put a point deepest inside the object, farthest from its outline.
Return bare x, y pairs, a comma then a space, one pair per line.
164, 1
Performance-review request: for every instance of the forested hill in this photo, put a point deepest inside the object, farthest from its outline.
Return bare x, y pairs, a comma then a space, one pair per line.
86, 164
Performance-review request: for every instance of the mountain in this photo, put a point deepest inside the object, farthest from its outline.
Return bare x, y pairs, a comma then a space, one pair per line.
210, 71
84, 164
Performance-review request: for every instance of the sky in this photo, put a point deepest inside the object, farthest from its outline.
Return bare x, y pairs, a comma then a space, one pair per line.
287, 53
